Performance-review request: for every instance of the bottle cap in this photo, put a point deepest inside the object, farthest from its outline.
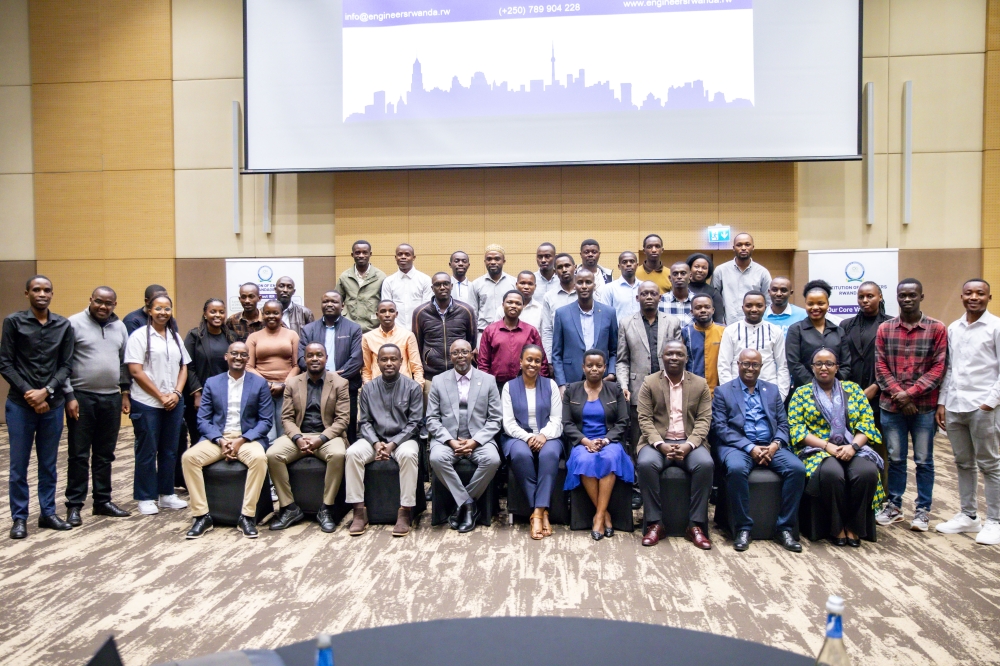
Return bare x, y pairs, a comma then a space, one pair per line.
323, 641
835, 604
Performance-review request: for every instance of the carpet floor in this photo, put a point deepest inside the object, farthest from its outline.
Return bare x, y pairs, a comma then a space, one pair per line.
912, 598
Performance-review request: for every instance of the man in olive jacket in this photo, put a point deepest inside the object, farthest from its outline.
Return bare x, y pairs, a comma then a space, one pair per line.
361, 287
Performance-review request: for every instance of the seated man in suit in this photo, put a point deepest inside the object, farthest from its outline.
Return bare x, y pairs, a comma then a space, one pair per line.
235, 416
750, 429
390, 408
675, 415
315, 415
341, 338
464, 414
577, 327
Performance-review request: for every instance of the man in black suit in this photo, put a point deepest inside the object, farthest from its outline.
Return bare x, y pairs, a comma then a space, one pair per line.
342, 339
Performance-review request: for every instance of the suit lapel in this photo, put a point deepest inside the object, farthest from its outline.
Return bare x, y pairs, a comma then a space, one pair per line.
577, 326
661, 330
475, 384
327, 390
452, 387
640, 331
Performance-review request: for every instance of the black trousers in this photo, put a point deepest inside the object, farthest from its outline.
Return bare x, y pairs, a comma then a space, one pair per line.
847, 489
95, 432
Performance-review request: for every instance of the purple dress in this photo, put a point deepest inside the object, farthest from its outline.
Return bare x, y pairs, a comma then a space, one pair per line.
612, 458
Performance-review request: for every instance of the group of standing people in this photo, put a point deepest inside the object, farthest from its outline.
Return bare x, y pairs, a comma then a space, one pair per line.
708, 368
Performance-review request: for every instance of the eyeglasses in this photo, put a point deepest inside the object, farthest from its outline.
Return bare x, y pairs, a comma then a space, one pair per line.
825, 364
746, 365
239, 355
461, 352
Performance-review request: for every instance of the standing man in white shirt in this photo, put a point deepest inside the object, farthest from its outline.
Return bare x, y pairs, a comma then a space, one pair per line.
545, 277
622, 294
556, 298
967, 411
752, 332
735, 278
488, 290
408, 288
461, 286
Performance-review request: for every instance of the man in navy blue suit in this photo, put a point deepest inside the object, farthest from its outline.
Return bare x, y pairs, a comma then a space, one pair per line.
580, 326
750, 429
235, 416
342, 339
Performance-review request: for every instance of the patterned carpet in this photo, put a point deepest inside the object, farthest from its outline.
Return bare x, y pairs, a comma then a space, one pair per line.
911, 598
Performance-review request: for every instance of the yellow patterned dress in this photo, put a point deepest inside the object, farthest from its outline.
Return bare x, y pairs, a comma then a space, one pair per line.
804, 418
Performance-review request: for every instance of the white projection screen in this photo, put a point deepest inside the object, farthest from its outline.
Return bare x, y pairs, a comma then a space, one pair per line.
383, 84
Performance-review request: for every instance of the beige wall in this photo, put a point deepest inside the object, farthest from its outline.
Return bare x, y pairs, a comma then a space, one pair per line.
17, 206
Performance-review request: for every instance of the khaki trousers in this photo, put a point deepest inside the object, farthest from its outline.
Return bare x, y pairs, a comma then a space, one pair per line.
406, 455
284, 452
205, 453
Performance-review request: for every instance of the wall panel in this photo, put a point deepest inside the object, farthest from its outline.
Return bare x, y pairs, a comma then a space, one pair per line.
134, 40
15, 62
946, 201
207, 39
15, 129
64, 40
203, 222
69, 213
17, 217
927, 27
203, 123
371, 206
677, 201
302, 220
447, 210
600, 202
524, 206
66, 127
138, 212
761, 199
137, 125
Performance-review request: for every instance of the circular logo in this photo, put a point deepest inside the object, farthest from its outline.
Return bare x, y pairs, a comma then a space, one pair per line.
265, 273
854, 271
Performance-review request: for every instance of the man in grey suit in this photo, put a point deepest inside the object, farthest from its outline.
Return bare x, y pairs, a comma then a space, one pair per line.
640, 341
463, 416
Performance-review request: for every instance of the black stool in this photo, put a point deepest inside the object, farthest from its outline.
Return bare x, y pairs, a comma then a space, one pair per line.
517, 501
382, 493
814, 519
224, 484
765, 505
582, 510
443, 504
307, 477
675, 501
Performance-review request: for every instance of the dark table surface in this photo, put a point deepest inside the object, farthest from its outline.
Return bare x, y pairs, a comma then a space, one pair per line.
527, 641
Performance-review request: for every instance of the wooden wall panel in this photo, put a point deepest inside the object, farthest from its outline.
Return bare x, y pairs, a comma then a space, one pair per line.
138, 213
991, 153
68, 216
66, 127
130, 277
137, 125
64, 40
371, 206
72, 283
447, 209
677, 201
197, 281
135, 40
600, 202
760, 198
523, 208
991, 102
936, 270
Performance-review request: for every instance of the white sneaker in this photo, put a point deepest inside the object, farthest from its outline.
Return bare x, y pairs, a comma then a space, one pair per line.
990, 534
920, 521
148, 507
172, 502
959, 524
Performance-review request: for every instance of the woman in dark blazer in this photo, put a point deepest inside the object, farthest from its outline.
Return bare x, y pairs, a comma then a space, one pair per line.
595, 423
206, 344
815, 332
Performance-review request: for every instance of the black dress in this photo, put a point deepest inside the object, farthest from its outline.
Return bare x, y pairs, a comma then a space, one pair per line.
801, 342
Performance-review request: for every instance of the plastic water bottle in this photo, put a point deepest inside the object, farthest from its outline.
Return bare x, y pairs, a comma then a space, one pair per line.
833, 652
324, 652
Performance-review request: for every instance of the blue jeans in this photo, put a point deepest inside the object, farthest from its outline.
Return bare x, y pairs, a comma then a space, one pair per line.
156, 434
921, 427
26, 428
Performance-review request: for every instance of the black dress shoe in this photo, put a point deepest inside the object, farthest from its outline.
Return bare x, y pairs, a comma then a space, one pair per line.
469, 516
19, 529
742, 541
325, 519
453, 518
787, 541
200, 526
854, 543
73, 516
288, 516
636, 498
54, 522
248, 526
838, 541
110, 509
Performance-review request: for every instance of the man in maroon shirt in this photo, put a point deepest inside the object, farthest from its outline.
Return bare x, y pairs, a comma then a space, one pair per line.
911, 356
501, 342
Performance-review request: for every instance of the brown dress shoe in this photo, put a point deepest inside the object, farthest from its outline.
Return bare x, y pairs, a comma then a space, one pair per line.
359, 523
402, 527
699, 538
653, 535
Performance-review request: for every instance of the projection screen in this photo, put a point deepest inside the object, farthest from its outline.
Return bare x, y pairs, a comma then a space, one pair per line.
377, 84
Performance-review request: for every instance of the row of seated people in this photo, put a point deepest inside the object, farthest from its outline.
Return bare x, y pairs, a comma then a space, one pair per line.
822, 441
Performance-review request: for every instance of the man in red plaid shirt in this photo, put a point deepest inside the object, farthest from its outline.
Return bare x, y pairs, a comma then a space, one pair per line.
911, 356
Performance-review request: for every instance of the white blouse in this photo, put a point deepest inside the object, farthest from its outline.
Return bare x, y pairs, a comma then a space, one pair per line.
164, 363
551, 430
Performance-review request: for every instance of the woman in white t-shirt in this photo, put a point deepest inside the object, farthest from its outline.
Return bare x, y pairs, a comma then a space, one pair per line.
157, 361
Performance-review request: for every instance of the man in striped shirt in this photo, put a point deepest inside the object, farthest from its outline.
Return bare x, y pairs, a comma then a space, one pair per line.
752, 332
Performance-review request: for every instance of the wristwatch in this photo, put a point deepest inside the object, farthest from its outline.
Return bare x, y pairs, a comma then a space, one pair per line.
855, 447
51, 391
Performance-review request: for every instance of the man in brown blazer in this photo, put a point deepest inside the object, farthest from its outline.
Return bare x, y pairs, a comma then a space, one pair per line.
315, 414
675, 415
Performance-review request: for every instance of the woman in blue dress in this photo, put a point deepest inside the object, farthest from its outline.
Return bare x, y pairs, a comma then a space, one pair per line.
595, 422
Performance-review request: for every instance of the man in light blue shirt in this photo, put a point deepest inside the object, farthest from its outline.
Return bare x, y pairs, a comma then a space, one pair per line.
622, 294
782, 313
330, 342
587, 325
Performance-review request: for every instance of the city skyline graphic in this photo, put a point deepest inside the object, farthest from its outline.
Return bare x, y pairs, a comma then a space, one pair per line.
572, 95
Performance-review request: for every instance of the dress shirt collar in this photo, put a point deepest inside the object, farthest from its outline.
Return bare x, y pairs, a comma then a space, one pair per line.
315, 382
986, 319
747, 391
671, 383
438, 308
236, 380
586, 313
743, 270
517, 326
670, 298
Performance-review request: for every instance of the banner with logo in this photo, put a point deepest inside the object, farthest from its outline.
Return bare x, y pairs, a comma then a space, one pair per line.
264, 273
845, 270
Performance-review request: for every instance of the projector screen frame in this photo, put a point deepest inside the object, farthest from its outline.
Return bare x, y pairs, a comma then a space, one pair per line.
735, 160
